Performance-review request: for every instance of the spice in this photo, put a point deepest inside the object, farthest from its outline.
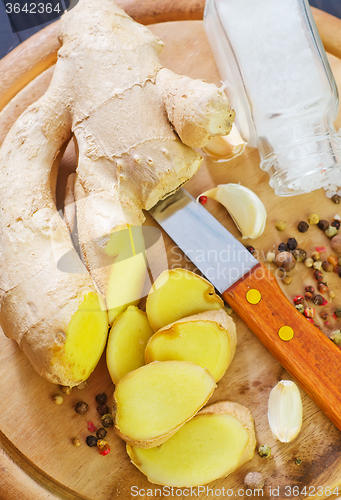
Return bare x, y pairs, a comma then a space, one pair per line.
285, 261
91, 441
300, 308
337, 312
316, 256
324, 315
337, 270
203, 199
332, 295
280, 225
101, 433
101, 444
336, 199
298, 461
318, 300
282, 247
66, 389
82, 385
318, 276
270, 256
318, 265
58, 399
313, 219
327, 266
292, 244
250, 249
298, 299
322, 287
81, 408
91, 427
323, 225
331, 231
336, 244
264, 451
309, 312
303, 227
299, 254
309, 262
105, 450
101, 399
76, 442
333, 260
107, 420
336, 337
310, 289
254, 481
102, 409
321, 249
287, 280
336, 223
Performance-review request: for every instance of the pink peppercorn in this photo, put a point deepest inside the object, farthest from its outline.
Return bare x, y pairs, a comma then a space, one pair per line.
298, 299
324, 302
91, 427
311, 320
105, 450
309, 312
203, 200
321, 249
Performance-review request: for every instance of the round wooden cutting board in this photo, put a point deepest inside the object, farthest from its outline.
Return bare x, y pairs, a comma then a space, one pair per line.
37, 458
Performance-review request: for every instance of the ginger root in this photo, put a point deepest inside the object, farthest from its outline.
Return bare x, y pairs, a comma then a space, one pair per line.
127, 114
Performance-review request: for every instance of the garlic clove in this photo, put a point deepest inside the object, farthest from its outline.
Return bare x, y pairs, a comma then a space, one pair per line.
225, 147
285, 411
244, 206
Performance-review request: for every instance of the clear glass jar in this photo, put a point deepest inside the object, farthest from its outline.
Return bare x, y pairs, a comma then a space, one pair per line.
280, 84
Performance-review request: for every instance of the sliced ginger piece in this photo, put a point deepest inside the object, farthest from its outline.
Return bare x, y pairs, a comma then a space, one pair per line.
153, 402
127, 342
218, 440
177, 294
208, 339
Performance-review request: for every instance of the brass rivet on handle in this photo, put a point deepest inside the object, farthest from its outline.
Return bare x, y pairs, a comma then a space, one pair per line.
253, 296
286, 333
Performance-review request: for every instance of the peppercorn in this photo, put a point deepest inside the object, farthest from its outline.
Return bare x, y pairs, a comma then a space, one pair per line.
91, 441
327, 266
318, 265
76, 442
101, 444
101, 398
336, 199
298, 299
318, 300
270, 256
66, 389
82, 385
102, 409
250, 249
91, 427
322, 287
313, 219
337, 270
254, 481
300, 308
280, 225
336, 337
331, 232
292, 244
107, 420
287, 280
336, 244
299, 254
332, 295
337, 312
282, 247
323, 225
309, 312
203, 199
316, 256
58, 399
324, 315
303, 227
81, 408
105, 450
336, 223
298, 461
309, 262
310, 289
264, 451
285, 261
308, 296
101, 433
318, 276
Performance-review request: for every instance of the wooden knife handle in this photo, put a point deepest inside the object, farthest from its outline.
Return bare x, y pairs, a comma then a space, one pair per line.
310, 357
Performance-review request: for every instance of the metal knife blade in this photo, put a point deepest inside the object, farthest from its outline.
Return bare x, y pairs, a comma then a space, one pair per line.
206, 242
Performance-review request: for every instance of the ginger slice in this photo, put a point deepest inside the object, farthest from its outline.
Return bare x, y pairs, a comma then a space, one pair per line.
218, 440
153, 402
208, 339
179, 293
127, 342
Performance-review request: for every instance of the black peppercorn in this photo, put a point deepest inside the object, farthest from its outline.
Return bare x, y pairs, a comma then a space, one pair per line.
107, 420
250, 249
310, 289
299, 254
292, 244
323, 225
318, 276
336, 223
336, 199
318, 300
327, 266
303, 226
102, 409
91, 441
282, 247
101, 398
81, 408
101, 433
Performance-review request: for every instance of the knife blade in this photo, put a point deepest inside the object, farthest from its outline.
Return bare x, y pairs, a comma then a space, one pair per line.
253, 292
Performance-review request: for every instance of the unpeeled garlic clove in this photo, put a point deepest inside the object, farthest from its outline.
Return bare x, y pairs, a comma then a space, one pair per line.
285, 411
225, 147
244, 206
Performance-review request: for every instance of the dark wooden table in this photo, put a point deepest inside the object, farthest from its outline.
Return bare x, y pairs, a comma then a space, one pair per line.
9, 40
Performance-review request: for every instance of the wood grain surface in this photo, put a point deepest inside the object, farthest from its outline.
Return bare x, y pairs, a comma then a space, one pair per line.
36, 434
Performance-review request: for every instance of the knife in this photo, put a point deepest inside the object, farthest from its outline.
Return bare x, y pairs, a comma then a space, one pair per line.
253, 292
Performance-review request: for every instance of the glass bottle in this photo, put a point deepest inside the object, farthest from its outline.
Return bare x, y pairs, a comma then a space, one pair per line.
280, 84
